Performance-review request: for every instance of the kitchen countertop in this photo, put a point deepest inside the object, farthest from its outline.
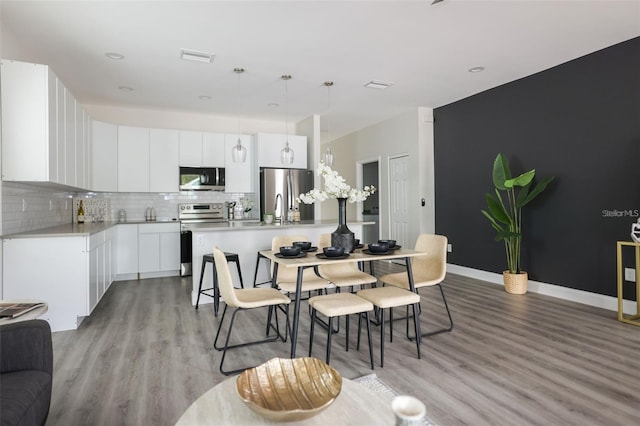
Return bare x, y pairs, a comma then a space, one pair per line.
74, 229
256, 225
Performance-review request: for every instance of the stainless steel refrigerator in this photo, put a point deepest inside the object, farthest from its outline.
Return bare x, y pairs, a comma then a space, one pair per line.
280, 187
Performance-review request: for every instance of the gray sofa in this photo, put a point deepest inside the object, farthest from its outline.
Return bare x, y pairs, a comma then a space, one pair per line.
26, 367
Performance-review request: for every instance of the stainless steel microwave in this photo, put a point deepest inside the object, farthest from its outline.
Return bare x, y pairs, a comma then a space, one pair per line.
202, 178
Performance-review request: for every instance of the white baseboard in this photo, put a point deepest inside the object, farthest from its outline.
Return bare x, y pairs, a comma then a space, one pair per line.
162, 274
566, 293
145, 275
126, 277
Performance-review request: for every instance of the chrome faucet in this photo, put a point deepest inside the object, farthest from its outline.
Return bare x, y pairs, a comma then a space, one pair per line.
275, 209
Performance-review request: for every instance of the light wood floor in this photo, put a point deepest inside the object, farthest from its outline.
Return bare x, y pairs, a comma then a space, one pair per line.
146, 354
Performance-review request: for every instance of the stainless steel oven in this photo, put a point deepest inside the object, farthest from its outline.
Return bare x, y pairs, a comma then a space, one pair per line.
194, 216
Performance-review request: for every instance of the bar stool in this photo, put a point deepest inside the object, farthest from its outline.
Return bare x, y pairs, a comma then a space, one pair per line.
208, 258
255, 275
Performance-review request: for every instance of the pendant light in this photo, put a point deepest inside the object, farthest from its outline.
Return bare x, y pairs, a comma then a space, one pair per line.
286, 154
328, 155
238, 152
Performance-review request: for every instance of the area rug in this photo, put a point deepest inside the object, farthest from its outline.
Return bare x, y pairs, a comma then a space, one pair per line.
373, 382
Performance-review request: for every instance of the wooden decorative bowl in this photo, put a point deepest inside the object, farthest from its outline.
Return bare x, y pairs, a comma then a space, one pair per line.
286, 390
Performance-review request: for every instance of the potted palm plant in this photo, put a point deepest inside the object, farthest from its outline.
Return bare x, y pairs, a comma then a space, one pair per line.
505, 215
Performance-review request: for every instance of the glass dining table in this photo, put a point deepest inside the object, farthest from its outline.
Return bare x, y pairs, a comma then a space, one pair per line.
312, 260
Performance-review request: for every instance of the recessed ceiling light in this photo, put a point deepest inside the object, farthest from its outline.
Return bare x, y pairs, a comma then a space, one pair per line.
114, 55
204, 97
126, 88
476, 69
194, 55
378, 84
273, 105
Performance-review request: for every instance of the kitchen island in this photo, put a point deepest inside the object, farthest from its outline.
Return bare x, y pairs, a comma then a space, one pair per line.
246, 238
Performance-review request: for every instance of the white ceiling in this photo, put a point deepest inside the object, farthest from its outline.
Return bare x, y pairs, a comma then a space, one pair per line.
426, 50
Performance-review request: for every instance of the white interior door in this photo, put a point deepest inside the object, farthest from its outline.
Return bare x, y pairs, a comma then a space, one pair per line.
398, 199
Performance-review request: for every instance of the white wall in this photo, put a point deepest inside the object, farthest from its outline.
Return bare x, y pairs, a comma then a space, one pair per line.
310, 128
168, 119
409, 134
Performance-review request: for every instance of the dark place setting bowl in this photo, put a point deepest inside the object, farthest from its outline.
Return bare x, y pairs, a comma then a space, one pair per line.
378, 247
304, 245
390, 243
333, 251
290, 250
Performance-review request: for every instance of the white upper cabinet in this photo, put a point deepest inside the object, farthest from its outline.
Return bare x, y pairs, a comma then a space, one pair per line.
239, 177
270, 145
164, 152
104, 156
29, 122
42, 127
81, 149
60, 157
133, 159
69, 138
201, 149
87, 154
213, 148
190, 148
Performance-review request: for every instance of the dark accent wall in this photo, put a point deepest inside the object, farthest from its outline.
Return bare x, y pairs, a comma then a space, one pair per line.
579, 121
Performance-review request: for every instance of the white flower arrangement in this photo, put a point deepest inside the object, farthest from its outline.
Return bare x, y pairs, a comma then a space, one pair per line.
334, 187
247, 204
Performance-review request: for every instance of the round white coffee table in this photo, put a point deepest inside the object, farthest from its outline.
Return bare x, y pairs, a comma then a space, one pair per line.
221, 405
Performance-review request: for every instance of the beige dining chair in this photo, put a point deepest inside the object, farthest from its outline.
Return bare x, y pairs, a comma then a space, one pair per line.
428, 270
387, 298
342, 274
337, 305
244, 299
287, 277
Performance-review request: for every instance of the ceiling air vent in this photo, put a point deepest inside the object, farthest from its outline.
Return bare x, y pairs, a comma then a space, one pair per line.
378, 84
194, 55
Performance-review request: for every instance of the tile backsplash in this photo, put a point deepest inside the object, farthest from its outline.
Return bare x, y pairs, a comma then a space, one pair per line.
27, 207
95, 209
166, 204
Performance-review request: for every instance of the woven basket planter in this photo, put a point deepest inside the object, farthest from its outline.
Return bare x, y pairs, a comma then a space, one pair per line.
515, 283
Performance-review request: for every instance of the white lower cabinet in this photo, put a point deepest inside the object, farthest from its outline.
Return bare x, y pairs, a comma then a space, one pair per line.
127, 252
70, 273
100, 265
158, 249
96, 268
148, 250
111, 237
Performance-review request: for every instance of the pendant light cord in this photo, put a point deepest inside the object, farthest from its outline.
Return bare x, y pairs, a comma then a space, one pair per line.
329, 156
286, 79
238, 72
328, 84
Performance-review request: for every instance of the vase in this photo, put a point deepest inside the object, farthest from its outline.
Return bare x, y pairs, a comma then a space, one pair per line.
342, 236
515, 283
